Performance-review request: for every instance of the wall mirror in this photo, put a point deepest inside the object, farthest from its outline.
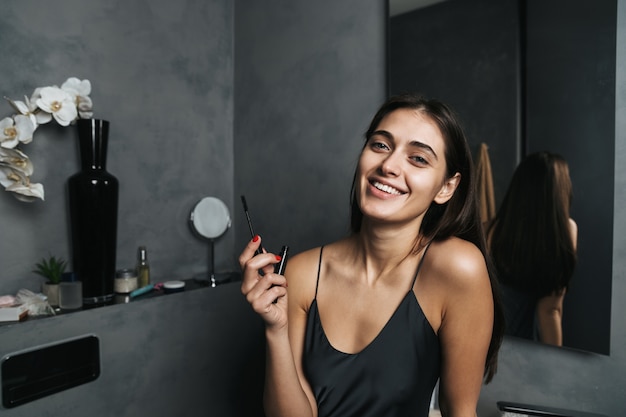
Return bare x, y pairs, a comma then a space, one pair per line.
525, 76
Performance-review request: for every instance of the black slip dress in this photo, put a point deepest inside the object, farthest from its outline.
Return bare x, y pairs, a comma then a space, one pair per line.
393, 376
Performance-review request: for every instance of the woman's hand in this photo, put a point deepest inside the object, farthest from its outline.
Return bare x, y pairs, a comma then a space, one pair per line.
265, 291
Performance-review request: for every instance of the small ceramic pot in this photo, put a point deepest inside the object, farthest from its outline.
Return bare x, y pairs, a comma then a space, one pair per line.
52, 292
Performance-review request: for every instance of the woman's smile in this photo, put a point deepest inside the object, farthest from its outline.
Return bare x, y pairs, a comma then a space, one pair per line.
387, 189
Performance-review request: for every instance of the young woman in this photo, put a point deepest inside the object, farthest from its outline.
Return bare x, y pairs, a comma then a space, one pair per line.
533, 246
365, 326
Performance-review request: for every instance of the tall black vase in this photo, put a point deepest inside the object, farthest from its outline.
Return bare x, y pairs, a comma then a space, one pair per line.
93, 199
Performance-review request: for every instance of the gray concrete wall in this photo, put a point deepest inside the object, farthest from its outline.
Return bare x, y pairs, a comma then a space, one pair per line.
162, 74
308, 78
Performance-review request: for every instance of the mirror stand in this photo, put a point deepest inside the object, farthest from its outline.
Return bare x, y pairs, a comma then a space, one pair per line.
209, 220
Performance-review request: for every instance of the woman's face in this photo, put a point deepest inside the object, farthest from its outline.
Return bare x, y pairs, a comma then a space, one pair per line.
402, 169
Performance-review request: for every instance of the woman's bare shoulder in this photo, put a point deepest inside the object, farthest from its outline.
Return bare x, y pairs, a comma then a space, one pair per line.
302, 268
301, 275
457, 262
303, 261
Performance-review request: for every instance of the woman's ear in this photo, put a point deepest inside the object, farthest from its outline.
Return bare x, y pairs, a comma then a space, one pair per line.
447, 189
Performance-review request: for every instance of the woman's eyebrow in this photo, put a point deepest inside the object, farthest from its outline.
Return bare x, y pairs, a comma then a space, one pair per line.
414, 143
423, 146
384, 133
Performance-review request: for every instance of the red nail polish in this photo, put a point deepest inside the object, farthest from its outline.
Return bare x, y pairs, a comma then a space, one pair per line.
255, 238
278, 257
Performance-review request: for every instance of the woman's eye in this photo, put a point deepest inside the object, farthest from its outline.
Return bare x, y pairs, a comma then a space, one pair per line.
420, 160
379, 145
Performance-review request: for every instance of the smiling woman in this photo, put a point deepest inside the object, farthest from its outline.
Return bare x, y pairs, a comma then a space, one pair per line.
360, 330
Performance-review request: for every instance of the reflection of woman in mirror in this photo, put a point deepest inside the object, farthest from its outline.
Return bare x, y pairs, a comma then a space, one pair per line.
374, 319
532, 241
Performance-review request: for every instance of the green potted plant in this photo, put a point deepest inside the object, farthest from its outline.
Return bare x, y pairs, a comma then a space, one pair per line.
52, 269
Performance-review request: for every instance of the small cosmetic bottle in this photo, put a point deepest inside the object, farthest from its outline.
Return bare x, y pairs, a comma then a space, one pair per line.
143, 269
125, 283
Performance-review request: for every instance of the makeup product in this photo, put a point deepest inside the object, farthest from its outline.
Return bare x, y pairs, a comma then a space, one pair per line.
245, 209
279, 268
125, 281
143, 269
170, 287
141, 291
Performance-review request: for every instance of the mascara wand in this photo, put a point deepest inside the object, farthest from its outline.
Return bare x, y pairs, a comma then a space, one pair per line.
245, 209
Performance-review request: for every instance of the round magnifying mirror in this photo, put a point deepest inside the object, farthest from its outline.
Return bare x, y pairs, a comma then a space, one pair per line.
210, 218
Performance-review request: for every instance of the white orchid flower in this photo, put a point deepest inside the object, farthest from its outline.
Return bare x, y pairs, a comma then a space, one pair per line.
17, 160
85, 106
17, 182
59, 103
77, 87
26, 107
64, 104
27, 193
41, 116
80, 90
14, 130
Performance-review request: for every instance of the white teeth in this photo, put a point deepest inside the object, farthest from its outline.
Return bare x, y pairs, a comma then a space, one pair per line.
386, 188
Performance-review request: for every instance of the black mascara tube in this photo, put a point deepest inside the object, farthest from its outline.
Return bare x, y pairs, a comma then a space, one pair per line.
279, 268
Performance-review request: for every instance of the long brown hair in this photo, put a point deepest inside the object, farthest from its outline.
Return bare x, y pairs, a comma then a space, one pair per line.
530, 240
459, 216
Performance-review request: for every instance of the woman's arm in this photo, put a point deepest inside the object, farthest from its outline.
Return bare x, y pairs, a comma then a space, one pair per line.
466, 327
286, 391
550, 308
573, 231
549, 317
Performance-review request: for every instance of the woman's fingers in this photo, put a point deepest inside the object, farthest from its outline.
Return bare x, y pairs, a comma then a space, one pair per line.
255, 267
249, 251
266, 291
268, 298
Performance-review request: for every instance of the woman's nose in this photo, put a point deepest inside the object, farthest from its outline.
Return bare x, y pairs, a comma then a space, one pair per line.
391, 165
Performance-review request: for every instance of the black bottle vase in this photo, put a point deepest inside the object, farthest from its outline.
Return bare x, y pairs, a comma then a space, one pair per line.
93, 200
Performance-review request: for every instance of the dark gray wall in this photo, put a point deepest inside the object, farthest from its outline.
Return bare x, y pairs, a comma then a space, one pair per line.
168, 94
308, 78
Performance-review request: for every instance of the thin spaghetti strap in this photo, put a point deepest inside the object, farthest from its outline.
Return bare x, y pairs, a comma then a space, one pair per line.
419, 266
319, 267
